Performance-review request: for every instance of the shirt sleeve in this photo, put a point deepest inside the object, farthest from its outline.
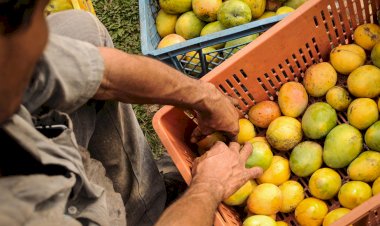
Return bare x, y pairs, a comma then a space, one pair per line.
68, 74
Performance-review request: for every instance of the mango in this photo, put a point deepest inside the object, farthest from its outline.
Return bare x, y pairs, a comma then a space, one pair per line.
169, 40
306, 158
234, 13
364, 81
238, 44
212, 28
277, 173
206, 143
292, 99
292, 194
175, 6
261, 156
354, 193
263, 113
362, 113
206, 10
375, 55
366, 167
367, 35
267, 14
189, 25
376, 186
242, 194
165, 23
335, 215
294, 3
325, 183
311, 212
319, 78
259, 220
257, 7
284, 133
318, 120
338, 98
284, 10
342, 145
346, 58
246, 131
372, 137
265, 199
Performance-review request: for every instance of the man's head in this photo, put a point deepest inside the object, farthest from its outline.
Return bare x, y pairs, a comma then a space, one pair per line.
23, 36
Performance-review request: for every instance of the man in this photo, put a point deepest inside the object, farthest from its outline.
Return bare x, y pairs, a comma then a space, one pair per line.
61, 96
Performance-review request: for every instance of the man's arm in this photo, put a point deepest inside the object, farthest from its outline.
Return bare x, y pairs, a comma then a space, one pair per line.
136, 79
216, 175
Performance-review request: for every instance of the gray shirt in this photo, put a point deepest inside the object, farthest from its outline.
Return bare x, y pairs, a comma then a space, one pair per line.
66, 77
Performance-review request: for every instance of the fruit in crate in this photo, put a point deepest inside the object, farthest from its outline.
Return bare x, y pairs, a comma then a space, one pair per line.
239, 43
375, 55
58, 5
294, 3
354, 193
277, 173
284, 133
346, 58
165, 23
257, 7
342, 145
267, 14
246, 131
311, 212
170, 40
175, 6
372, 137
318, 120
263, 113
319, 78
258, 139
335, 215
325, 183
306, 158
189, 25
364, 81
209, 141
338, 98
234, 13
292, 194
376, 186
206, 10
261, 156
281, 223
366, 167
259, 220
292, 99
242, 194
194, 62
266, 199
362, 113
367, 35
211, 28
284, 10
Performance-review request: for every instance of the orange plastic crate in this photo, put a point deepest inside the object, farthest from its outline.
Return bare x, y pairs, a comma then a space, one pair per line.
256, 73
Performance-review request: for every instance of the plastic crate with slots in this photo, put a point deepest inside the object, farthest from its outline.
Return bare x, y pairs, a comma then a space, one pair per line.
188, 56
281, 54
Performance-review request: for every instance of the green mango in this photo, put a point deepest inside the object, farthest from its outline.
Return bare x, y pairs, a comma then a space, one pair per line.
318, 120
366, 167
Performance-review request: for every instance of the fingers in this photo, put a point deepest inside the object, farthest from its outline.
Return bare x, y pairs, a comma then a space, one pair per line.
246, 151
253, 173
234, 147
233, 100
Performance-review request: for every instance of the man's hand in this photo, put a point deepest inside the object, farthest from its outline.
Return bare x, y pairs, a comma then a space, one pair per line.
216, 113
222, 169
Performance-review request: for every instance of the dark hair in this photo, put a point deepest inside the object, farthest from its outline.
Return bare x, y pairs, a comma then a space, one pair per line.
15, 14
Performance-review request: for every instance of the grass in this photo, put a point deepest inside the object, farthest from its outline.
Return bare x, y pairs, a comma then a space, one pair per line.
121, 18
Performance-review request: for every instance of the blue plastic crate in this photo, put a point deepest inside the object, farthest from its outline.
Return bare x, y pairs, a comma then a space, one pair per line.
182, 55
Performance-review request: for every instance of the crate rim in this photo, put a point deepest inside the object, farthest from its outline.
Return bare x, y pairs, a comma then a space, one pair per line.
199, 42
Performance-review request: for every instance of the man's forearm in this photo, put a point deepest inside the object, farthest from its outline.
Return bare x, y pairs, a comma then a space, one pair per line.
128, 78
196, 207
